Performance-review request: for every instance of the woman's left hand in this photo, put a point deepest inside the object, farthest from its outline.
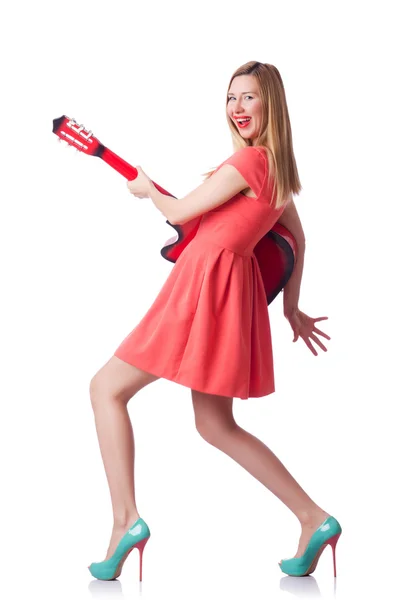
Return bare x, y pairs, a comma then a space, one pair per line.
304, 326
140, 185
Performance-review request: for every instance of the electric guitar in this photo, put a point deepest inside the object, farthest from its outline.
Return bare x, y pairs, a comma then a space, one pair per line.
275, 251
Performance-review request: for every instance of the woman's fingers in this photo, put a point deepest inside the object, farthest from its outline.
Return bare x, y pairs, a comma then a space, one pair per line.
303, 326
321, 333
315, 338
310, 345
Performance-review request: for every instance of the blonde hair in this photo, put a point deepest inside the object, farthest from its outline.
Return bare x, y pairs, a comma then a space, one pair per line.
275, 131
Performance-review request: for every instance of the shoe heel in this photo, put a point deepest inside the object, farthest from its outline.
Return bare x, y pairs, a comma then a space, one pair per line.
141, 546
332, 542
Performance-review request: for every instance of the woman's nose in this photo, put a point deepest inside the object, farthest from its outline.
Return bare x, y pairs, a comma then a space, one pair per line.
238, 107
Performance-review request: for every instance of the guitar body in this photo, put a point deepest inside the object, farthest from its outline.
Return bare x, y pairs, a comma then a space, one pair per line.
275, 251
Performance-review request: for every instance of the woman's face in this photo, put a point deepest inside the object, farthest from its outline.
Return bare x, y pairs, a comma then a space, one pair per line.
244, 101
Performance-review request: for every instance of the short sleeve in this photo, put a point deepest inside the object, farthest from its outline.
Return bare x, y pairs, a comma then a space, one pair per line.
251, 162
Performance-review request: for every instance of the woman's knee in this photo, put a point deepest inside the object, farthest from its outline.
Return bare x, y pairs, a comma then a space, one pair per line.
118, 380
213, 415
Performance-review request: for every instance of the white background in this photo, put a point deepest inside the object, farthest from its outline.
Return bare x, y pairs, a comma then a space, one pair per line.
81, 265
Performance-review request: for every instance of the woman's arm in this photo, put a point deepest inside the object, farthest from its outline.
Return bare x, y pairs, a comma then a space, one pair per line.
218, 189
290, 219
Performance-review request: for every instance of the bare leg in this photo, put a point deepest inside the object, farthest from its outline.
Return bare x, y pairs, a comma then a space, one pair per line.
216, 424
110, 392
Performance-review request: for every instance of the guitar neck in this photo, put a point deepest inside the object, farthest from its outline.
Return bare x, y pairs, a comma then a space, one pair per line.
123, 167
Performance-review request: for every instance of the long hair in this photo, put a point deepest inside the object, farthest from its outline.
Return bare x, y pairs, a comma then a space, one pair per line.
275, 131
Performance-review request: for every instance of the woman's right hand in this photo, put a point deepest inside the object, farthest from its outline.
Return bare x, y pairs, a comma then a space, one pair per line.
303, 326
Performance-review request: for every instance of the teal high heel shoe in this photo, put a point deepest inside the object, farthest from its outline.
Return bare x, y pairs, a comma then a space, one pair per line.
328, 533
136, 537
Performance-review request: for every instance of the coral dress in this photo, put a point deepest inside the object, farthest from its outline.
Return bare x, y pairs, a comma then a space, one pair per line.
208, 328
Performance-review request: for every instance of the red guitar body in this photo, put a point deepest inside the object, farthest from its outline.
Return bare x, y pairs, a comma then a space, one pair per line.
275, 252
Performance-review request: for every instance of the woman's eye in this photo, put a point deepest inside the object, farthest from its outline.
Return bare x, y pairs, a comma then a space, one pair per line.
230, 97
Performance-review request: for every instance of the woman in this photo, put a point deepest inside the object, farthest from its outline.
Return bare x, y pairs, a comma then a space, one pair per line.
210, 320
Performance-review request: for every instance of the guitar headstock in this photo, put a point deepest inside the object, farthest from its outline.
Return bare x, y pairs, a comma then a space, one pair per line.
77, 136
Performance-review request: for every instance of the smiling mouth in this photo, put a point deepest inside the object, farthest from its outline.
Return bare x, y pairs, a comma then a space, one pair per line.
243, 123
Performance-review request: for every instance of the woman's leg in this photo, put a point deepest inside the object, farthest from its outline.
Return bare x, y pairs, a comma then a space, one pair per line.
216, 424
110, 390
